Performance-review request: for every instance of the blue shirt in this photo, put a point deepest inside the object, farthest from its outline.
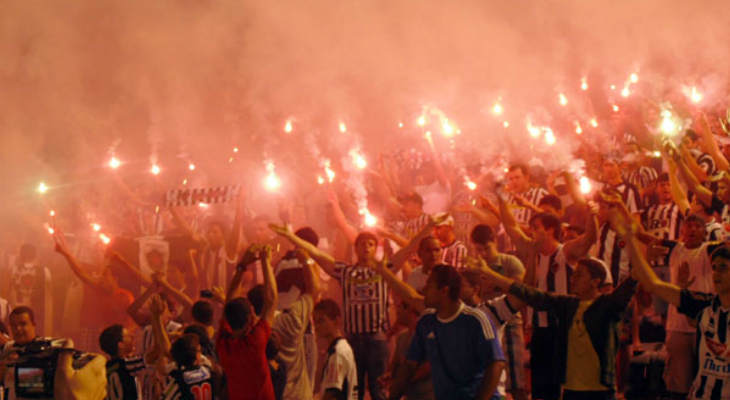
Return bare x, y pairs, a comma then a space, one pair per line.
459, 350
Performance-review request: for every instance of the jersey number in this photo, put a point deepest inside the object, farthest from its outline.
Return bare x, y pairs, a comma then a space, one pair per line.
202, 392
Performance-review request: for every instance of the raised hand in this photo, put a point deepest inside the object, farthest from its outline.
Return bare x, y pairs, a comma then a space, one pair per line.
281, 230
684, 280
157, 306
436, 219
624, 226
251, 254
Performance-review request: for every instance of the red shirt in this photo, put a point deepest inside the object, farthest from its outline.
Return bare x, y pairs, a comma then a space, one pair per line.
244, 361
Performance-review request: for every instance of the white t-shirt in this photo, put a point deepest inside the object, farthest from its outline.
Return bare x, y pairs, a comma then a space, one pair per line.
700, 268
417, 278
290, 325
340, 371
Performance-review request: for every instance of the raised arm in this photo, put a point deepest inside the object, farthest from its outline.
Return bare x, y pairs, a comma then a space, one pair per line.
162, 341
78, 270
626, 229
183, 225
326, 261
401, 256
235, 236
135, 309
249, 257
129, 267
678, 194
704, 194
177, 295
270, 292
573, 189
403, 290
349, 231
510, 224
712, 148
580, 246
311, 275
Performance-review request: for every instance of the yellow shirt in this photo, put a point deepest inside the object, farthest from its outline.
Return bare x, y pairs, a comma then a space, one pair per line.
584, 368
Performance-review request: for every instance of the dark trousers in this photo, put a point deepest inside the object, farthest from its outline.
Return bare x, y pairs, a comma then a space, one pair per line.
371, 355
589, 395
543, 371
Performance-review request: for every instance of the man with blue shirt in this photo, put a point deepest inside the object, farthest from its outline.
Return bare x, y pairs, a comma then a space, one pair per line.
460, 343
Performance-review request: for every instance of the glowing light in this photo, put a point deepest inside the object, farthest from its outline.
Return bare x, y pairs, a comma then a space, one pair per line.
104, 238
534, 131
497, 109
594, 123
230, 159
235, 149
634, 78
585, 185
272, 181
505, 124
369, 219
615, 108
185, 181
563, 100
625, 92
203, 205
613, 87
422, 120
447, 128
52, 213
695, 95
549, 137
471, 185
191, 167
668, 126
578, 129
584, 83
428, 137
320, 180
330, 173
42, 188
657, 153
155, 170
114, 163
343, 127
287, 127
400, 125
96, 227
50, 231
358, 159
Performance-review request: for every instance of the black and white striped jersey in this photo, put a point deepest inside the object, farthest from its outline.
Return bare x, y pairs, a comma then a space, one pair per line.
642, 178
553, 275
612, 251
364, 299
663, 221
707, 164
712, 381
723, 209
630, 195
454, 254
714, 231
413, 226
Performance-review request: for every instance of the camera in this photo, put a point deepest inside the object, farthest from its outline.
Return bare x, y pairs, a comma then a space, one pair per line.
35, 367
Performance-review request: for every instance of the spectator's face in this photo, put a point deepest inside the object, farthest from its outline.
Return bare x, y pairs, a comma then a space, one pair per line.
721, 275
432, 295
430, 252
215, 236
22, 328
323, 326
517, 181
127, 348
611, 170
411, 209
581, 281
444, 234
365, 248
467, 292
689, 143
693, 233
664, 190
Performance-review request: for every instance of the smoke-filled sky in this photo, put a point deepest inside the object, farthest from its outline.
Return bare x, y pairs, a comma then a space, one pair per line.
187, 80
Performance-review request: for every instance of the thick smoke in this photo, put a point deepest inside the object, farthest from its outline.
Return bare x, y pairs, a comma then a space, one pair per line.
198, 78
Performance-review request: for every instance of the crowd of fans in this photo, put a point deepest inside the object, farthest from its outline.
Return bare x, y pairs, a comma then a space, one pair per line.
523, 286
